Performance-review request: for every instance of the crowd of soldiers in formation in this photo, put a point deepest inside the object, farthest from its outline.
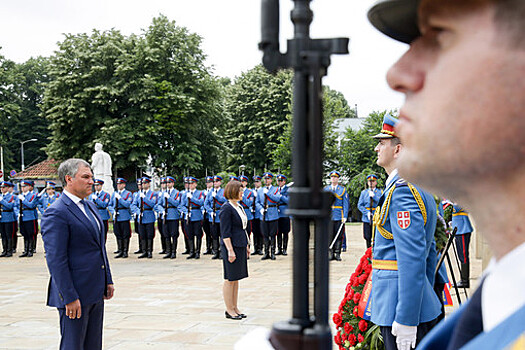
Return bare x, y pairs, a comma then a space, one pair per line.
191, 211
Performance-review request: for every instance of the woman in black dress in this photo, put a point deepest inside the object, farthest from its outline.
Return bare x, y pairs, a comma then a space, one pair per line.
234, 247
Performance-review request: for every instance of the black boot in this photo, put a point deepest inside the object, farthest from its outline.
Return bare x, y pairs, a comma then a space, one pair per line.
186, 245
125, 248
198, 248
279, 244
150, 248
285, 244
272, 248
163, 244
26, 249
119, 249
9, 248
174, 248
33, 246
15, 242
266, 255
216, 249
4, 246
168, 249
29, 248
258, 245
143, 245
191, 245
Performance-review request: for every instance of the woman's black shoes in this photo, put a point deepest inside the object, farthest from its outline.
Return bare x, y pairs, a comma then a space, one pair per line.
243, 315
238, 317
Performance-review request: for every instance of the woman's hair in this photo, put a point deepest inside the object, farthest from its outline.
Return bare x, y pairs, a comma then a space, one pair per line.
232, 189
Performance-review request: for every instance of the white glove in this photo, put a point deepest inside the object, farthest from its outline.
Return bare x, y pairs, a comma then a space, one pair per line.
166, 195
189, 195
1, 197
265, 190
214, 194
343, 220
369, 214
371, 193
142, 195
212, 216
261, 211
255, 194
21, 197
405, 336
117, 196
93, 197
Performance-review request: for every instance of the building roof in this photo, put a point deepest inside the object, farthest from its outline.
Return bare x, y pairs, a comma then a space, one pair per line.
48, 169
353, 123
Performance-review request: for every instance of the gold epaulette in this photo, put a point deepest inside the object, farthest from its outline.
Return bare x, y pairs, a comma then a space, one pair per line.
419, 200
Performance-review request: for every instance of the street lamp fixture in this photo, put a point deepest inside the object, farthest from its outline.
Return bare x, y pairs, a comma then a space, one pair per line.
22, 151
241, 169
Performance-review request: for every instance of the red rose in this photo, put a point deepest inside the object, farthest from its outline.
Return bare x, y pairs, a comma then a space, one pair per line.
368, 269
356, 312
352, 339
337, 320
351, 294
363, 325
357, 297
337, 338
360, 338
348, 328
343, 337
356, 283
363, 278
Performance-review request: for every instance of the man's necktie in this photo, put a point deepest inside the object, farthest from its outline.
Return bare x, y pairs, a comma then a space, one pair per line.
90, 216
470, 323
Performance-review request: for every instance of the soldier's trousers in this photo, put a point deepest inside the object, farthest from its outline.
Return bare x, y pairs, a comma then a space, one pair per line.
194, 229
257, 234
339, 242
8, 230
147, 231
29, 229
367, 234
283, 229
462, 247
269, 229
162, 229
106, 228
206, 226
122, 229
171, 228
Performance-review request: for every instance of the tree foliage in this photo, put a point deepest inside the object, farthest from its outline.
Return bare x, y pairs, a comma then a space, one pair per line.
148, 98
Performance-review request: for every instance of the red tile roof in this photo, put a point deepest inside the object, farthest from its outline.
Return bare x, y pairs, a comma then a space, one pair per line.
48, 169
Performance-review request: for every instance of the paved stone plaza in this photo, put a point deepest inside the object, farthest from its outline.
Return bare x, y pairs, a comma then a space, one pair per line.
164, 304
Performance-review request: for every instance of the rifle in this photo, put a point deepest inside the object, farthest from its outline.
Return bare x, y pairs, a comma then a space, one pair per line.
254, 202
166, 211
21, 214
141, 209
189, 211
116, 207
265, 206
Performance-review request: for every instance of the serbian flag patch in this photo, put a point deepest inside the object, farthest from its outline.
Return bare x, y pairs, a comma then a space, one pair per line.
403, 219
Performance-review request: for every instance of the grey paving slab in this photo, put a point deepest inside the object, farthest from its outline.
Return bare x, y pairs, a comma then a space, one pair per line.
164, 304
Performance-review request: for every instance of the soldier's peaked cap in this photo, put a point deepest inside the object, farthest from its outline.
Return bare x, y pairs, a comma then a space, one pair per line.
121, 180
396, 19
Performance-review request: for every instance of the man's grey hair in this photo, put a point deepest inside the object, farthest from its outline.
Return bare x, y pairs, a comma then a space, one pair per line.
70, 167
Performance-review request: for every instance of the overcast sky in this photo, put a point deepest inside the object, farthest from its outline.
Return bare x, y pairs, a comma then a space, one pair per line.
230, 31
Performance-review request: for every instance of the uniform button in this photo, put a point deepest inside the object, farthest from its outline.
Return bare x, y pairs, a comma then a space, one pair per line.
102, 267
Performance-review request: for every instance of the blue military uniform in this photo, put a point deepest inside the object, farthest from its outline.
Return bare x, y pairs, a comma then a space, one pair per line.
28, 202
268, 198
101, 200
339, 215
191, 208
161, 220
258, 238
170, 202
46, 200
119, 206
213, 203
367, 205
8, 204
184, 222
143, 206
283, 224
206, 226
141, 249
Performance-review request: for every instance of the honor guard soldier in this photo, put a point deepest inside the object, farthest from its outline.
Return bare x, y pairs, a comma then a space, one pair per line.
143, 208
101, 200
49, 197
190, 206
283, 226
11, 190
182, 221
461, 220
8, 203
233, 177
258, 238
213, 204
136, 195
120, 205
247, 202
404, 258
28, 201
267, 199
339, 214
367, 205
159, 210
206, 221
170, 202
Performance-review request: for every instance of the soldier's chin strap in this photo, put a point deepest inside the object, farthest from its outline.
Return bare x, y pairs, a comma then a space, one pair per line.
308, 202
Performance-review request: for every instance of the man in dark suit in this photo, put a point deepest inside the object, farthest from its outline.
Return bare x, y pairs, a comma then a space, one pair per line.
73, 235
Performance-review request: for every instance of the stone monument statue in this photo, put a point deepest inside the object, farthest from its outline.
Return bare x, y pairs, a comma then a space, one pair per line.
101, 165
